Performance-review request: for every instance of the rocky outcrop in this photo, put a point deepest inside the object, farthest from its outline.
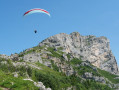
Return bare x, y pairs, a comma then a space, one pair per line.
88, 75
39, 84
91, 48
32, 57
94, 49
13, 57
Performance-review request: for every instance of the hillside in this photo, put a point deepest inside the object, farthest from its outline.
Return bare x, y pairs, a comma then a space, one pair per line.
62, 62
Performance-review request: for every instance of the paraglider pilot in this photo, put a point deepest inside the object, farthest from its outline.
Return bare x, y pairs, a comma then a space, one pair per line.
35, 31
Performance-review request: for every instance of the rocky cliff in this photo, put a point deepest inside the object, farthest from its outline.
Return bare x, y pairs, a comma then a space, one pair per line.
94, 49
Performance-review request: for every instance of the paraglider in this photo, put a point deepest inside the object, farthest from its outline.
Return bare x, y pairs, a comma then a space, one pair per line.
36, 10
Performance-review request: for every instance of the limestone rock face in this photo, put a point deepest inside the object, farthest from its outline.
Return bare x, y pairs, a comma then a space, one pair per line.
88, 75
32, 57
94, 49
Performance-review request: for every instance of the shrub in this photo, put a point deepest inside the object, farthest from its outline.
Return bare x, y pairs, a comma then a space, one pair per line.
75, 61
55, 54
109, 76
54, 66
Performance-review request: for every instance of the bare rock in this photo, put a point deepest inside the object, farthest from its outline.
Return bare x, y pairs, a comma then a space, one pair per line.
94, 49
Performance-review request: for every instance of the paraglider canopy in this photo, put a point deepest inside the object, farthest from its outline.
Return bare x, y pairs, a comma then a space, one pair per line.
36, 10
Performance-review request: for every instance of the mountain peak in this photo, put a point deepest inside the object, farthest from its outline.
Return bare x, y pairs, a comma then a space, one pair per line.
91, 48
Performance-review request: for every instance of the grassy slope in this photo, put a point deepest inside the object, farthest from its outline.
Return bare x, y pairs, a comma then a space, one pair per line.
51, 78
109, 76
8, 81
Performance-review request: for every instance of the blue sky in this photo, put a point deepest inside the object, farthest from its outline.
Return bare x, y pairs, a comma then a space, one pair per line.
88, 17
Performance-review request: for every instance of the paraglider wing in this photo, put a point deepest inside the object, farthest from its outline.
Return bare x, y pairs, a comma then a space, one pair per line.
36, 10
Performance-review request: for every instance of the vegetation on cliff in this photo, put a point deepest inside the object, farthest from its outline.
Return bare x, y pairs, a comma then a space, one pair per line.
50, 78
